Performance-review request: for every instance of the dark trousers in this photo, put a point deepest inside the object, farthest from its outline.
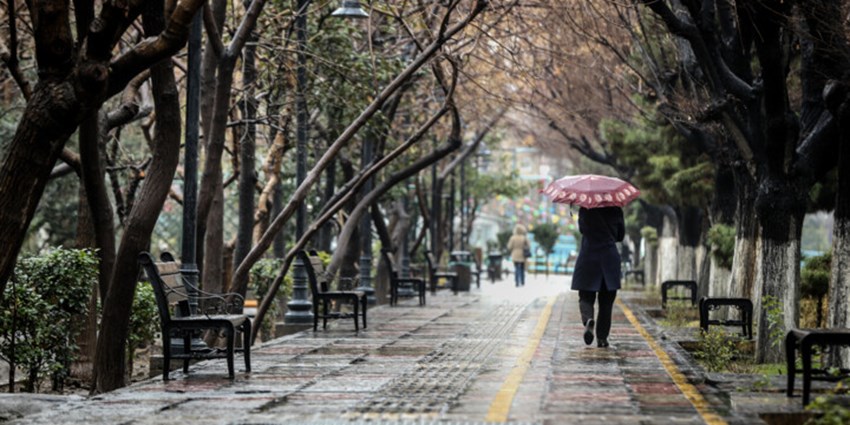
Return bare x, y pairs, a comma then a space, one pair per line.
586, 299
519, 274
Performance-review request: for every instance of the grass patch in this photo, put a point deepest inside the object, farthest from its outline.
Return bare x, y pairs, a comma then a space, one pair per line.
680, 315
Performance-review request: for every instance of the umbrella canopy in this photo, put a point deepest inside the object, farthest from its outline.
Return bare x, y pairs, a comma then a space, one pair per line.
591, 191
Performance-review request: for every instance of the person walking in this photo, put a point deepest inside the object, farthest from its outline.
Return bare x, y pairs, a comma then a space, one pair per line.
597, 270
518, 246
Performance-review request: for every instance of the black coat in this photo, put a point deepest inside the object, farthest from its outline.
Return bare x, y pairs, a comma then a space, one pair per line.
598, 259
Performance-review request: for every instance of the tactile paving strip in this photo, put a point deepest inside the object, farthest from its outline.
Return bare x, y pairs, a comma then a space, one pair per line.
441, 376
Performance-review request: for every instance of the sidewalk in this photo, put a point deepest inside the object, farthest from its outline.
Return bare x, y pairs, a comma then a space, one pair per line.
500, 354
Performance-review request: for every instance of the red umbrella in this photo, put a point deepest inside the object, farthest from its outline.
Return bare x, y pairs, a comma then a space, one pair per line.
591, 191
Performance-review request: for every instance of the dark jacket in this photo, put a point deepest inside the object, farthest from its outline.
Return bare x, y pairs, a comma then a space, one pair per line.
598, 259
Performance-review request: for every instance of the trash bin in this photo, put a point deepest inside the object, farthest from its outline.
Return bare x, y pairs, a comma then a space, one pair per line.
461, 263
494, 266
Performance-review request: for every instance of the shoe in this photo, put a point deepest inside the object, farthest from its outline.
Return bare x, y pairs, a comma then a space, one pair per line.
588, 332
602, 343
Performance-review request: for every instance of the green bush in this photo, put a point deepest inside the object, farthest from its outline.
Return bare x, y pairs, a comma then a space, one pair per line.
716, 349
546, 234
262, 276
831, 411
45, 299
650, 235
775, 321
722, 240
144, 320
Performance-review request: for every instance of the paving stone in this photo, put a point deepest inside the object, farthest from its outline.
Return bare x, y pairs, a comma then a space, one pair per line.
442, 363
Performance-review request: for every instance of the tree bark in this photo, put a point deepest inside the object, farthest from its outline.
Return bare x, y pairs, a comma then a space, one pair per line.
211, 179
838, 97
111, 345
778, 276
247, 149
668, 244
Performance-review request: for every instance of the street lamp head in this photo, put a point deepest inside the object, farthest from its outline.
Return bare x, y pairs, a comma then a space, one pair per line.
350, 9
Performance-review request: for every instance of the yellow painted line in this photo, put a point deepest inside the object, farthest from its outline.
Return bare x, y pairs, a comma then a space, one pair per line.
690, 392
501, 404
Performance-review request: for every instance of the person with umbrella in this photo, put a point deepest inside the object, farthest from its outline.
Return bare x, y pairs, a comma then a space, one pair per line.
597, 273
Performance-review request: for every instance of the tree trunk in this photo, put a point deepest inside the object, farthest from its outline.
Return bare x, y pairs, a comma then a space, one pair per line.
839, 288
111, 345
742, 279
213, 271
778, 276
247, 158
348, 268
690, 233
650, 266
668, 244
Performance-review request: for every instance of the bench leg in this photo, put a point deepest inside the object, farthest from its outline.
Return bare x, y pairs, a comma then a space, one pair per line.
230, 348
364, 301
806, 353
422, 293
325, 311
166, 354
750, 322
315, 315
246, 344
187, 347
356, 314
790, 362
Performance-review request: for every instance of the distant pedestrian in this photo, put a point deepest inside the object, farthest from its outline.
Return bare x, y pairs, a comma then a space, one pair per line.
518, 246
597, 271
626, 255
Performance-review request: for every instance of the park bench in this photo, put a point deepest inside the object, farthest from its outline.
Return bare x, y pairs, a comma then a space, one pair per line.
323, 297
397, 281
434, 273
177, 320
804, 341
744, 305
688, 285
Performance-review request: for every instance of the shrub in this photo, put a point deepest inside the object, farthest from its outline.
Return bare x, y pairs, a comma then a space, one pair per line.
650, 235
831, 411
546, 234
45, 298
722, 240
262, 276
144, 321
775, 321
716, 349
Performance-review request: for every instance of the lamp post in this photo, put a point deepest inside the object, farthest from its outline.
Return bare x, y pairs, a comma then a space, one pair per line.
188, 251
463, 205
188, 247
451, 214
299, 307
405, 256
366, 228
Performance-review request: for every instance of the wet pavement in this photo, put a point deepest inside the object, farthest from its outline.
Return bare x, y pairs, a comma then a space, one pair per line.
496, 354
